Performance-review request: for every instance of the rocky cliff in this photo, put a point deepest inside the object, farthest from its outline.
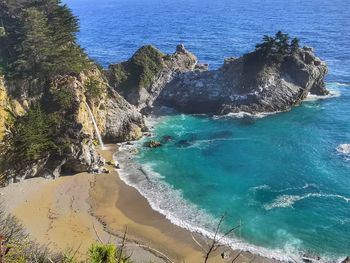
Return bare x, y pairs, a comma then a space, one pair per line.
69, 98
247, 84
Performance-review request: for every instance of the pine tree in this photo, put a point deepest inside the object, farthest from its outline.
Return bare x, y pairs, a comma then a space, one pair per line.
267, 47
36, 45
282, 43
40, 39
294, 46
31, 137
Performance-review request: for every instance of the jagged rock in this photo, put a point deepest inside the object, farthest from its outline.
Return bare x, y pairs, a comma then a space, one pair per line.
167, 138
153, 144
346, 260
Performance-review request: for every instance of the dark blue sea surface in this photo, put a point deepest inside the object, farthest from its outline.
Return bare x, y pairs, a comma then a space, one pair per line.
285, 177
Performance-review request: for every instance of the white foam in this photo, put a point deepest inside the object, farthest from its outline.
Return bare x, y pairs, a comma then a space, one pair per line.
332, 94
268, 187
338, 84
344, 148
243, 114
284, 201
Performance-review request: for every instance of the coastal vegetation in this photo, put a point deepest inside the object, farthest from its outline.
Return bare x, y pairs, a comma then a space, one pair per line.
39, 40
139, 71
269, 54
277, 48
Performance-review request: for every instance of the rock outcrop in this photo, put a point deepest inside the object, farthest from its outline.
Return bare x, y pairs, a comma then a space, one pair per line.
249, 83
140, 79
246, 84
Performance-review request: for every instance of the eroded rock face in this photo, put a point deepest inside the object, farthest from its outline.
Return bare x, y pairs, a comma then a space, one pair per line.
123, 121
233, 89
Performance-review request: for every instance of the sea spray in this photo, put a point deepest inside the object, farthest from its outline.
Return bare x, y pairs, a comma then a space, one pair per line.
95, 126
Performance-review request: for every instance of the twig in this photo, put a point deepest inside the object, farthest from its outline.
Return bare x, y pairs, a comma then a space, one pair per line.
123, 245
197, 242
98, 237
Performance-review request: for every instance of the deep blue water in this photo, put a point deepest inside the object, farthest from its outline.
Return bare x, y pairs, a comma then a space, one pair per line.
281, 176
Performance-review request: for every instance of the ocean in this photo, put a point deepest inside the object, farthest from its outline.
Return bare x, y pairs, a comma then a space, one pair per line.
285, 178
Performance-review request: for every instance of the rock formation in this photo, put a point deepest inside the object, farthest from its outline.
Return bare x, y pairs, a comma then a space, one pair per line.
247, 85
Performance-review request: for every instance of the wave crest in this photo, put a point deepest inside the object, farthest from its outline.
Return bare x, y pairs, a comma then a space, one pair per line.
284, 201
344, 148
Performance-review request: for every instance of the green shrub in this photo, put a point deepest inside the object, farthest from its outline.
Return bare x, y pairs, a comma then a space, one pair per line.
31, 136
2, 31
139, 71
106, 253
94, 87
64, 97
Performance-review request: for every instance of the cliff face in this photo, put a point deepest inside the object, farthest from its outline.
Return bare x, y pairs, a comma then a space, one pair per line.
247, 85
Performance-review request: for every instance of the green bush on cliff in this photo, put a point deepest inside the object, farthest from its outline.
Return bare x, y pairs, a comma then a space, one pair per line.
140, 70
64, 97
271, 52
276, 48
94, 87
31, 137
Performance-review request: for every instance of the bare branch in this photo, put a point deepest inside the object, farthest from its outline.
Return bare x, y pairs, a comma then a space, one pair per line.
98, 237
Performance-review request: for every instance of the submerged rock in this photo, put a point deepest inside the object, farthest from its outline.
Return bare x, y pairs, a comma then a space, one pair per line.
153, 144
167, 138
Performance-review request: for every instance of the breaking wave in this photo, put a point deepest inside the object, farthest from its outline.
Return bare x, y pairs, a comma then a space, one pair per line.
332, 94
344, 148
284, 201
244, 114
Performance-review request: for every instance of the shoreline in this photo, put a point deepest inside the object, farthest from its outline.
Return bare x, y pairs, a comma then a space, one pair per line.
72, 212
133, 178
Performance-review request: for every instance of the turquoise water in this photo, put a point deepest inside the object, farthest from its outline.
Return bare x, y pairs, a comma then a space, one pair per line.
281, 175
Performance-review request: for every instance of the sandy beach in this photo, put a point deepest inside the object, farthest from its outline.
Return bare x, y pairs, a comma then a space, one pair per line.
72, 212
